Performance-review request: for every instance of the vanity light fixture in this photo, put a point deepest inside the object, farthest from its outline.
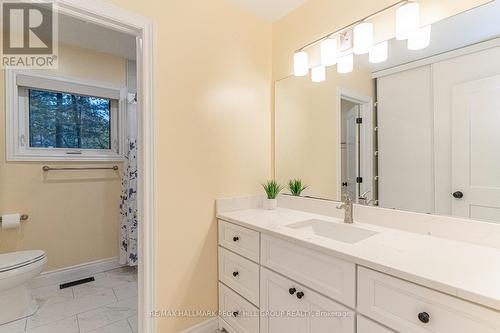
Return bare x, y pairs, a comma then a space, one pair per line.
358, 38
420, 38
363, 38
318, 74
407, 20
379, 53
300, 63
328, 48
345, 64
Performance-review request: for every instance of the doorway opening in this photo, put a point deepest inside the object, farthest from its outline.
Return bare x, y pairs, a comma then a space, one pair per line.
356, 136
142, 29
351, 146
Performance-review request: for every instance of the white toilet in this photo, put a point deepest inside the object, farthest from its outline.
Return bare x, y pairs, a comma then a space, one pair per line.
17, 269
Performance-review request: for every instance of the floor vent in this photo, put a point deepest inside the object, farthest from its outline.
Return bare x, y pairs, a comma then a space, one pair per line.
76, 283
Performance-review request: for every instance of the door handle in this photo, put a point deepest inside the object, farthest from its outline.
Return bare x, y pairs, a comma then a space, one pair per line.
458, 195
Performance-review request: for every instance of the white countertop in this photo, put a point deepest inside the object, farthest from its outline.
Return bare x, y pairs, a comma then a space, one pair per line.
465, 270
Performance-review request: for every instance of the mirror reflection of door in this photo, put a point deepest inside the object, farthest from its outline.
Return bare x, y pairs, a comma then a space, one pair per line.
475, 149
438, 137
350, 148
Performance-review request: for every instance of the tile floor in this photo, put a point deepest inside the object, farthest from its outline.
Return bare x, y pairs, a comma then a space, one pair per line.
107, 305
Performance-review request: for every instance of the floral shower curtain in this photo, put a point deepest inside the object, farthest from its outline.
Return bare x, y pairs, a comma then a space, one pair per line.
128, 207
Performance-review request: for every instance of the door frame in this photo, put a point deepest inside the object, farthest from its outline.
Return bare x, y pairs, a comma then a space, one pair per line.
366, 138
116, 18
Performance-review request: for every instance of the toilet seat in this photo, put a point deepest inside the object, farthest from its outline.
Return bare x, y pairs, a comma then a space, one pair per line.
14, 260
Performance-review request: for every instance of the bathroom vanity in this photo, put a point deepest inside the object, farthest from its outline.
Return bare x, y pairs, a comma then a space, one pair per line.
301, 269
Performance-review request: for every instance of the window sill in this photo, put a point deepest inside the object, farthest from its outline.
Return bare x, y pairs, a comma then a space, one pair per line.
64, 158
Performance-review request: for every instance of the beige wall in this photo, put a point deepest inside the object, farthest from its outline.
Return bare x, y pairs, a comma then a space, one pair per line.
306, 128
73, 216
212, 108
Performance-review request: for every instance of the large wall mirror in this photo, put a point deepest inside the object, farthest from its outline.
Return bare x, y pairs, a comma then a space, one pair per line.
418, 132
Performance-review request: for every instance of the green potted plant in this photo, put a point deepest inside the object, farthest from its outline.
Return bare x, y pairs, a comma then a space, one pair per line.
272, 189
296, 187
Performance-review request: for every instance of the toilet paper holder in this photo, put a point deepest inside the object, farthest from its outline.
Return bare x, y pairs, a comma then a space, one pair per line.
24, 217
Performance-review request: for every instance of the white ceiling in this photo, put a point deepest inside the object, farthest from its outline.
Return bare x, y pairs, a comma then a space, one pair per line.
95, 37
269, 10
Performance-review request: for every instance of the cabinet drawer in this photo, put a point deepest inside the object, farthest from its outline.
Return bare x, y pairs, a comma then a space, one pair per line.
410, 308
292, 308
368, 326
239, 274
333, 277
240, 240
237, 312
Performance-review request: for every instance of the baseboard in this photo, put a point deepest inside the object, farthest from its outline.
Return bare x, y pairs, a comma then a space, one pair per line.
76, 272
207, 326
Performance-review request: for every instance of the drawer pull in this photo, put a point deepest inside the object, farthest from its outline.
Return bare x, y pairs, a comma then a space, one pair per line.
236, 314
424, 317
300, 294
235, 274
292, 291
236, 238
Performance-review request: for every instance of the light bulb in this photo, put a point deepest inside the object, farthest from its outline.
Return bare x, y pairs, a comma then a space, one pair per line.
345, 64
363, 38
318, 74
300, 63
420, 39
329, 52
379, 53
407, 20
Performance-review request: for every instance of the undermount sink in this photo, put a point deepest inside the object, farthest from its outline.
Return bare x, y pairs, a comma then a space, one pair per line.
336, 231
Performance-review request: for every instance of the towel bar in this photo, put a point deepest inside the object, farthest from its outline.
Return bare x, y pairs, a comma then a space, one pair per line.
47, 168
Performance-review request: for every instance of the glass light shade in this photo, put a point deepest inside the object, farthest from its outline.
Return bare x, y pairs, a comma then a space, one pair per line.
329, 52
420, 38
407, 20
379, 53
363, 38
345, 64
318, 74
300, 63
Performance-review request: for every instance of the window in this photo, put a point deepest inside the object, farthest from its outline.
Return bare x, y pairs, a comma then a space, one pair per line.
62, 120
59, 119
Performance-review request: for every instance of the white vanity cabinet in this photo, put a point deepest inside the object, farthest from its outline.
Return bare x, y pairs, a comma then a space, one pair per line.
240, 240
237, 314
271, 284
240, 274
290, 307
335, 278
365, 325
411, 308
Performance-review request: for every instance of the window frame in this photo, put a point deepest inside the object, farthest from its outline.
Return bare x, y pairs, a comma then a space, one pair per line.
17, 116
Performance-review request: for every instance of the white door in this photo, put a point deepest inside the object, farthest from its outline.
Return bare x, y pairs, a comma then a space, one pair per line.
291, 308
476, 149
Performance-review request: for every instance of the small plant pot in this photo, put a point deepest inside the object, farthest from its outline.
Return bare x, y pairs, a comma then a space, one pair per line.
270, 204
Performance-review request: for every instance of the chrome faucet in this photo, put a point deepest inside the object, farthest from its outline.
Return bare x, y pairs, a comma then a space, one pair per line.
347, 206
